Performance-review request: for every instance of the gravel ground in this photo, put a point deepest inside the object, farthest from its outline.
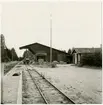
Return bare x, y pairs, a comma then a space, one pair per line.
82, 85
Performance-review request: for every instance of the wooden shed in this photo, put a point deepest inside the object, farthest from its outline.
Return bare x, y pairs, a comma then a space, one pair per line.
43, 52
79, 52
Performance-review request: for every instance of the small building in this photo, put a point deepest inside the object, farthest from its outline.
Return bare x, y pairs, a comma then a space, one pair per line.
79, 52
41, 51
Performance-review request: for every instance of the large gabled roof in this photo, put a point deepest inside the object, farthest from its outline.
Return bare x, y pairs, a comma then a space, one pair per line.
86, 50
27, 46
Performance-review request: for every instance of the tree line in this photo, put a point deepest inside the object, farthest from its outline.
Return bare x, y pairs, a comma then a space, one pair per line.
6, 53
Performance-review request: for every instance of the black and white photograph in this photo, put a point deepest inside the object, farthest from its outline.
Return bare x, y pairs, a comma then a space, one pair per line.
51, 52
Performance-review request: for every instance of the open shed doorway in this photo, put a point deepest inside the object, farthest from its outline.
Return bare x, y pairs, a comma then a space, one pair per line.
41, 57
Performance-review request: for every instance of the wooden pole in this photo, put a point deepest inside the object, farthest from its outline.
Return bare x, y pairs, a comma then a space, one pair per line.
50, 38
2, 75
101, 24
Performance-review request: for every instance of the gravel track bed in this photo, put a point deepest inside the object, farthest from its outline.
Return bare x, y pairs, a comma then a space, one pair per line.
30, 94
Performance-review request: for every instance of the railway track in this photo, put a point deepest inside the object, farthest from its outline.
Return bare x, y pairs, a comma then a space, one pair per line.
49, 93
30, 93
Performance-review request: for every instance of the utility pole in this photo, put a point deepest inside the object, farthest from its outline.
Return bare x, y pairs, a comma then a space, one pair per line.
101, 24
50, 38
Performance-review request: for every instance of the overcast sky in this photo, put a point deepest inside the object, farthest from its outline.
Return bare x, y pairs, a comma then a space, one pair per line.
74, 24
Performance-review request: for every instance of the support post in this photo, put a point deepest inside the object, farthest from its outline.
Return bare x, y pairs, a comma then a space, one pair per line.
50, 38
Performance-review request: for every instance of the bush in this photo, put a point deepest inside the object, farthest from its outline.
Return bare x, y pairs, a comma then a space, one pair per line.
56, 62
94, 59
62, 62
53, 64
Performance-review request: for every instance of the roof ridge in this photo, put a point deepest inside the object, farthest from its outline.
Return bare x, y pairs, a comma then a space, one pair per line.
42, 45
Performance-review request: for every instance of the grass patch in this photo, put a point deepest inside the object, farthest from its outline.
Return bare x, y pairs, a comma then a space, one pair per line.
9, 66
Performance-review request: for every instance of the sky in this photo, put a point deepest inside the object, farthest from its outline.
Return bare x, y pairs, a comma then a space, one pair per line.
74, 24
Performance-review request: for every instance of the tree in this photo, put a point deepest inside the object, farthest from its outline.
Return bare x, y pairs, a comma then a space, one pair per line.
14, 54
69, 51
4, 56
69, 57
20, 58
28, 54
25, 53
93, 59
9, 54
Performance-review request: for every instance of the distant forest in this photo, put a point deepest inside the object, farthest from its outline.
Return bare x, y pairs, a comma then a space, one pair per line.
6, 53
